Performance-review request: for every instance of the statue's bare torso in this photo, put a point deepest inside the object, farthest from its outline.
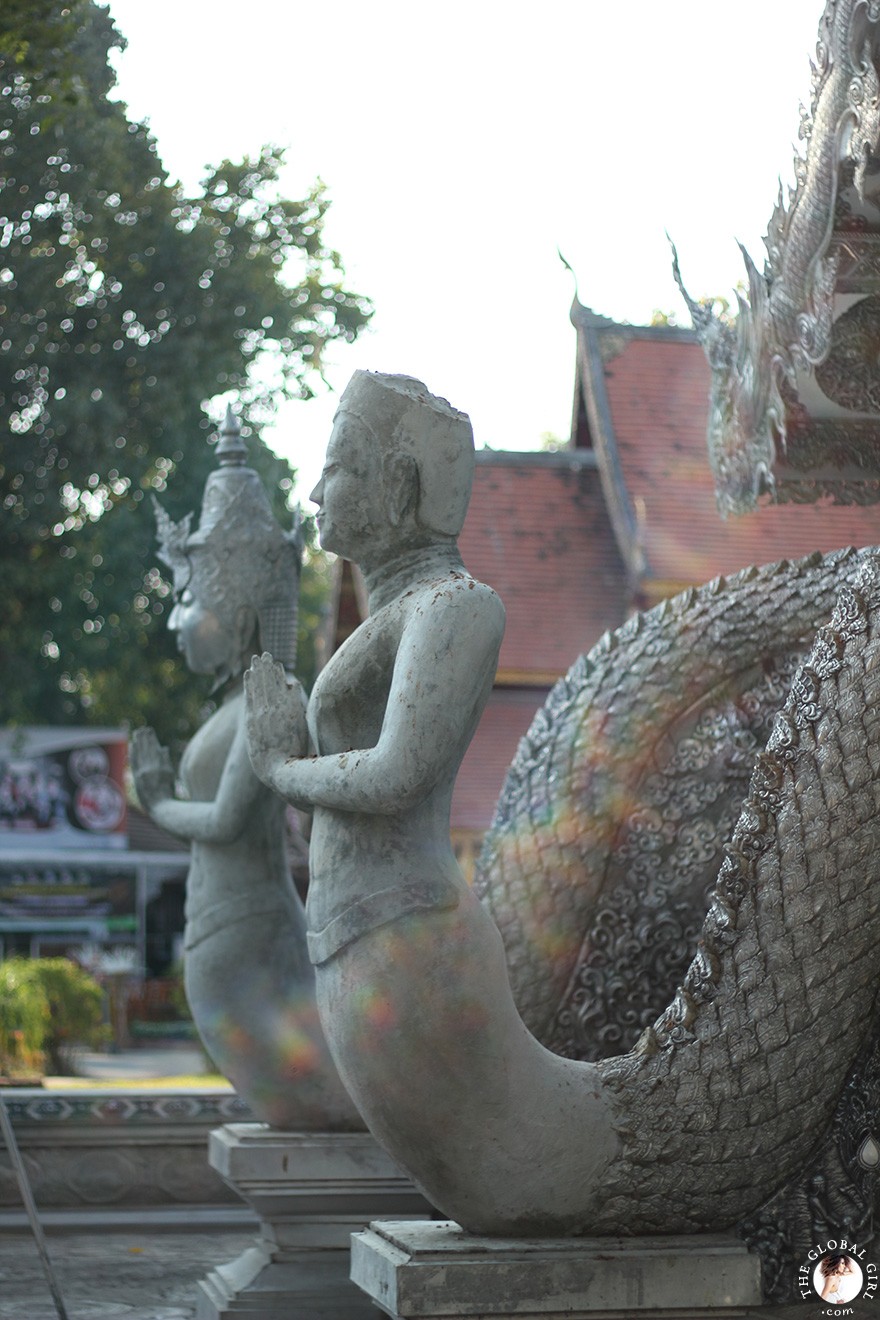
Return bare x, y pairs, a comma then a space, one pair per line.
393, 658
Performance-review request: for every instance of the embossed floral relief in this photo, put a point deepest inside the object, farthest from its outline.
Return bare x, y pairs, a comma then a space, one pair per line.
663, 870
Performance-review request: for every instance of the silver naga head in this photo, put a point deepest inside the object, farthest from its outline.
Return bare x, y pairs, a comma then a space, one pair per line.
238, 556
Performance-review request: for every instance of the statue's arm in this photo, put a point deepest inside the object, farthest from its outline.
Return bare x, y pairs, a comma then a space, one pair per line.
443, 671
220, 821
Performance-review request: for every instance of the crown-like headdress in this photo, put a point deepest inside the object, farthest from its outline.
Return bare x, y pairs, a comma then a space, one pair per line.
238, 555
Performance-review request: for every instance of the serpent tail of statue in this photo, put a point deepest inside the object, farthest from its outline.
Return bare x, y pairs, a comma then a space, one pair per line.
609, 835
611, 826
725, 1096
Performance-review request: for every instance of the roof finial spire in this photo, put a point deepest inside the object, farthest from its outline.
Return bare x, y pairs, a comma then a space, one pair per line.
231, 449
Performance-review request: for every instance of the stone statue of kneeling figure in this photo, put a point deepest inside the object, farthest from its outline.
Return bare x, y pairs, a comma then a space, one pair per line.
248, 979
412, 983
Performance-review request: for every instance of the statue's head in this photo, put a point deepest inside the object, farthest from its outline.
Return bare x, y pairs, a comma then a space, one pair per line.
407, 457
236, 578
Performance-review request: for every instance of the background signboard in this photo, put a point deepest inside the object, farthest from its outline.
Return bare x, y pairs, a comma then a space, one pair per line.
63, 788
33, 895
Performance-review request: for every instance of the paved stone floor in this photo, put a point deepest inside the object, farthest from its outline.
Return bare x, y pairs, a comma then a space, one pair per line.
112, 1276
152, 1275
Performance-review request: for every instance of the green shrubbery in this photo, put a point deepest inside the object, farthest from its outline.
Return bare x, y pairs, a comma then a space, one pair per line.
47, 1005
24, 1018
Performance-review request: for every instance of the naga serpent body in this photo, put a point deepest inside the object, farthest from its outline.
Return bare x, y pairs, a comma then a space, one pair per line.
648, 744
611, 826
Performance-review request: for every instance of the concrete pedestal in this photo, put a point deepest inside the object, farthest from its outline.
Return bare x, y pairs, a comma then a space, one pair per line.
311, 1190
425, 1271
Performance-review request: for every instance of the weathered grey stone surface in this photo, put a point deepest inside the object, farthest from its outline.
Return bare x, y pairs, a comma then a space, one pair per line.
311, 1191
248, 979
429, 1270
313, 1285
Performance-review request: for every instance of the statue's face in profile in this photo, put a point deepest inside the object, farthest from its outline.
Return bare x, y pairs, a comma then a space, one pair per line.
202, 637
351, 509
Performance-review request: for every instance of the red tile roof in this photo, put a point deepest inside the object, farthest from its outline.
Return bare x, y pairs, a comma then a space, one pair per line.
657, 392
538, 532
507, 716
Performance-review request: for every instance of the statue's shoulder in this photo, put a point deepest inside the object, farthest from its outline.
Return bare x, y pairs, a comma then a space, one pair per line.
456, 589
227, 714
459, 598
481, 595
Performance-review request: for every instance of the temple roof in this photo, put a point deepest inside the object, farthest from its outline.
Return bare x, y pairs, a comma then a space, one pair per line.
641, 404
508, 714
537, 530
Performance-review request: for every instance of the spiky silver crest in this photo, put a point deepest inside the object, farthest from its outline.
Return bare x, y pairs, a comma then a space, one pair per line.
238, 555
821, 253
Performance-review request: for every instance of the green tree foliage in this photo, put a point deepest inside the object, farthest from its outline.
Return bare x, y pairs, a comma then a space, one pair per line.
125, 307
46, 1006
37, 36
24, 1018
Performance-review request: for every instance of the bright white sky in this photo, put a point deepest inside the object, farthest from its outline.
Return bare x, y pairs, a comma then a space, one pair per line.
463, 142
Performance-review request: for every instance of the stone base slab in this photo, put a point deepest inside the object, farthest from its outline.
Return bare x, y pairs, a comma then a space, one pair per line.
256, 1286
429, 1271
130, 1147
311, 1190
